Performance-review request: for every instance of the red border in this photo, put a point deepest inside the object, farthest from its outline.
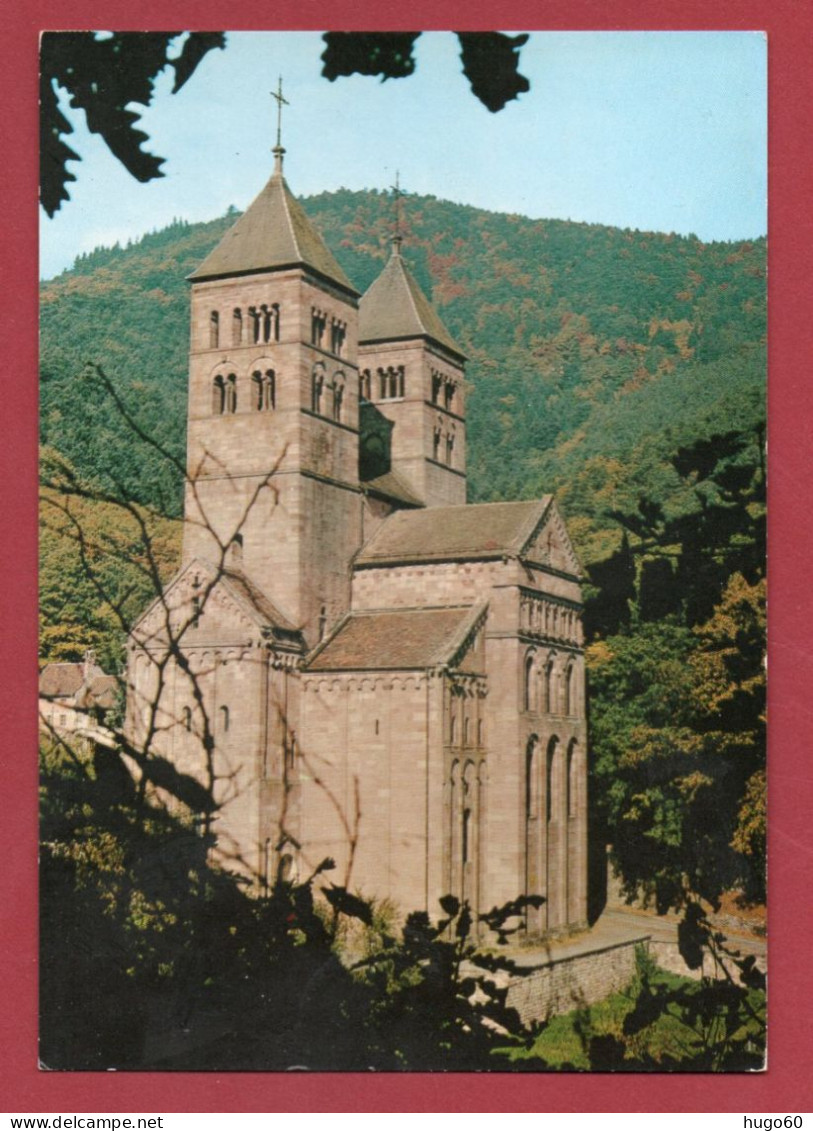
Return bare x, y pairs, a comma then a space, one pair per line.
788, 1084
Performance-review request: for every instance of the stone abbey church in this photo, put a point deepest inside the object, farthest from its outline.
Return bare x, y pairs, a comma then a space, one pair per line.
352, 661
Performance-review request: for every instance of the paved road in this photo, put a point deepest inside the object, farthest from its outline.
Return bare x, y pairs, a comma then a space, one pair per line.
616, 926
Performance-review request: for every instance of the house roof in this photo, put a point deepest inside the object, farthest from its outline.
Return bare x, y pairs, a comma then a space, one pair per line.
486, 530
100, 691
272, 233
395, 307
58, 681
85, 683
396, 640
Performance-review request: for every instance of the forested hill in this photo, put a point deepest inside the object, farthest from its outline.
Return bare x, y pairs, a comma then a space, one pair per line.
595, 353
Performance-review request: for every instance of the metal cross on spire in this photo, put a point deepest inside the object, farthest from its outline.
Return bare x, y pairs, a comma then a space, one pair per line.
397, 196
277, 95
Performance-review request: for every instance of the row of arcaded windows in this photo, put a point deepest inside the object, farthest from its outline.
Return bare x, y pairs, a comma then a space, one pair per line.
388, 384
263, 392
471, 728
338, 332
443, 390
259, 324
322, 402
540, 692
539, 785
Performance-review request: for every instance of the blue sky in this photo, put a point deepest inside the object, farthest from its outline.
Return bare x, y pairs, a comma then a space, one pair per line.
662, 131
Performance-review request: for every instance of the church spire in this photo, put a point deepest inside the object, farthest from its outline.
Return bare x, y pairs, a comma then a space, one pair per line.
397, 195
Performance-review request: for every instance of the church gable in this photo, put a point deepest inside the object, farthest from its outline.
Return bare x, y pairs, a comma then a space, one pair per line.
550, 545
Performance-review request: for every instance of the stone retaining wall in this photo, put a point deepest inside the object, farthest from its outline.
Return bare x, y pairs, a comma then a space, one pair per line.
559, 985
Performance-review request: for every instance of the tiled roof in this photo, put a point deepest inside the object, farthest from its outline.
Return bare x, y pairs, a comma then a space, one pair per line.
273, 232
58, 681
395, 307
99, 692
402, 640
486, 530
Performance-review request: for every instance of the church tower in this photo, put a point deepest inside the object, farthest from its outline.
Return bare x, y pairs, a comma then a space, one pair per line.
273, 411
411, 369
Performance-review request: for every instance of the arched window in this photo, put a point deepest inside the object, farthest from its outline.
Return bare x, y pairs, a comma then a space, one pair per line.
231, 393
317, 386
529, 693
254, 324
548, 687
265, 323
572, 780
364, 384
551, 754
453, 725
337, 334
479, 732
237, 327
449, 448
187, 718
533, 778
437, 382
214, 330
569, 689
466, 730
318, 323
263, 390
465, 847
322, 622
289, 754
448, 395
338, 397
218, 396
234, 557
436, 444
275, 321
224, 719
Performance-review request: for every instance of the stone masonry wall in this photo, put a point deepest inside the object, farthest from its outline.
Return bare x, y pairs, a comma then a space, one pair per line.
563, 984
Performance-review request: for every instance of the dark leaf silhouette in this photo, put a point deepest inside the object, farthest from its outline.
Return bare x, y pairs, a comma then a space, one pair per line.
102, 77
490, 61
693, 933
54, 153
388, 54
196, 45
346, 903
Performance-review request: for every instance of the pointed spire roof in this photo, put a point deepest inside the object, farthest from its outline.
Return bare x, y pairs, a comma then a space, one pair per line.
395, 307
272, 233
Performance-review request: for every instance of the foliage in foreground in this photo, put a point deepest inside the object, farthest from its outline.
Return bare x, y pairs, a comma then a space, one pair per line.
152, 958
661, 1022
